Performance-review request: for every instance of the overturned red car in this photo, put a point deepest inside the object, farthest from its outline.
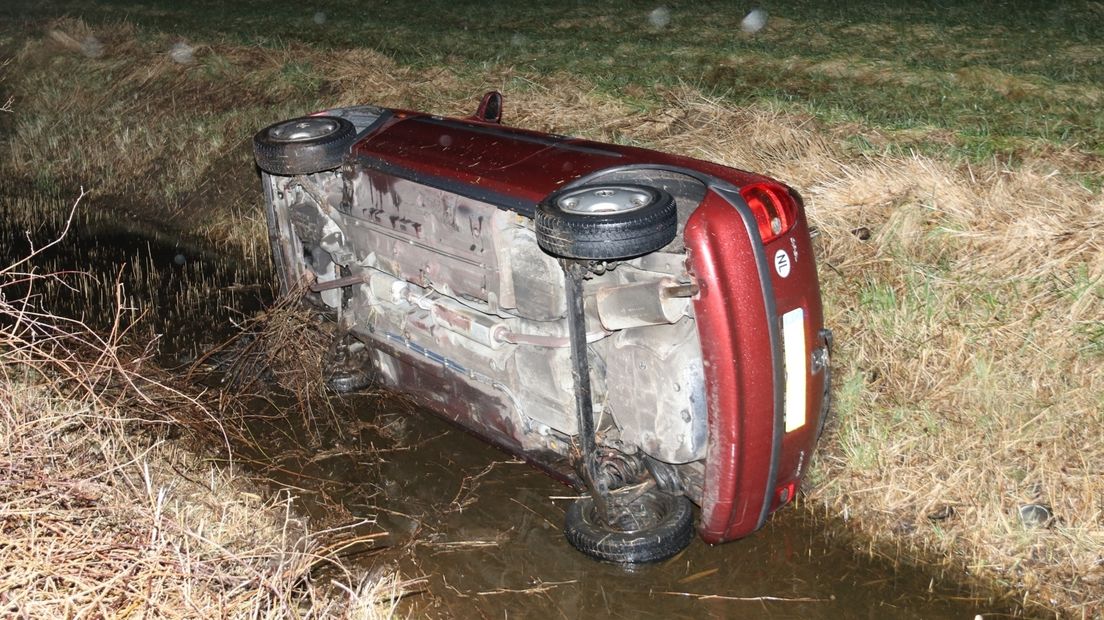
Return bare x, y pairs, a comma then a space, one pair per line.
645, 326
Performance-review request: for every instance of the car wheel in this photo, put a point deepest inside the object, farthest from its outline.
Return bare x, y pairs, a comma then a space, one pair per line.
606, 222
653, 527
303, 145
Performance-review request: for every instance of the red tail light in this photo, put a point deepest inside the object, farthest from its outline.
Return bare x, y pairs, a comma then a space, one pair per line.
773, 207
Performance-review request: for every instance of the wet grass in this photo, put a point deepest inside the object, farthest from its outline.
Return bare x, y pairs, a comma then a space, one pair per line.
159, 282
974, 80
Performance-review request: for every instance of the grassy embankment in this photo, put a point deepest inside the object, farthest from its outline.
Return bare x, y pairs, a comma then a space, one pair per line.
950, 158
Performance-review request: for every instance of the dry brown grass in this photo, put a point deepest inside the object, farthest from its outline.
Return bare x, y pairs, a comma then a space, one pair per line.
967, 302
969, 349
104, 514
286, 348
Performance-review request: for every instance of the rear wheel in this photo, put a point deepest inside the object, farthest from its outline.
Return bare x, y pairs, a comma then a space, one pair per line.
606, 222
653, 527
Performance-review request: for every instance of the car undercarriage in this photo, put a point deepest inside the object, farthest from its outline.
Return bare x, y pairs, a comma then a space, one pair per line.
612, 317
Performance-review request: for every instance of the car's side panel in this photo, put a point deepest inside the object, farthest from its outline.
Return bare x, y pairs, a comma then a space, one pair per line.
510, 167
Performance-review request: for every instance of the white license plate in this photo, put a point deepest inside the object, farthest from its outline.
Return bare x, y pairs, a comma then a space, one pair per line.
796, 367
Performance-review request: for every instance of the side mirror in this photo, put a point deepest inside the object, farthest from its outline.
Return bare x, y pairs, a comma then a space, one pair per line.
490, 108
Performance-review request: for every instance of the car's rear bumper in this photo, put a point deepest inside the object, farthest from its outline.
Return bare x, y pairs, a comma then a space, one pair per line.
756, 326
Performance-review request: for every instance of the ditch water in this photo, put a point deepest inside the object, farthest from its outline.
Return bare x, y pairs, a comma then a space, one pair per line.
481, 528
484, 531
177, 295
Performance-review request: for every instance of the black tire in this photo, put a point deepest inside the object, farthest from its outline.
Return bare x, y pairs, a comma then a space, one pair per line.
303, 145
655, 527
606, 222
348, 366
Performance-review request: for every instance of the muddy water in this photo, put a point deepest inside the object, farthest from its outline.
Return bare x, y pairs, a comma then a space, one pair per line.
482, 528
177, 296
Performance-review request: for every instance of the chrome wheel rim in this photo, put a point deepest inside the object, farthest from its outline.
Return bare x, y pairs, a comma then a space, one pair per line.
604, 200
303, 129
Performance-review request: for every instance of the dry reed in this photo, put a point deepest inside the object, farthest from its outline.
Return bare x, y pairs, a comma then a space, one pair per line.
104, 514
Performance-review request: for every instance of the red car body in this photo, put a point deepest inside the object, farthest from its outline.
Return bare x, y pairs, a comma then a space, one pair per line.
748, 250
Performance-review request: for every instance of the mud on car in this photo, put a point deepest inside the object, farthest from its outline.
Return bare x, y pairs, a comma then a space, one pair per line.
644, 326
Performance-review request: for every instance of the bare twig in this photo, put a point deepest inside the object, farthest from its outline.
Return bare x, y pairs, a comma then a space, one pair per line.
751, 599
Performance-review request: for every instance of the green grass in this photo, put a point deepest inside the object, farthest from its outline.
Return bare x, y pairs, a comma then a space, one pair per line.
976, 80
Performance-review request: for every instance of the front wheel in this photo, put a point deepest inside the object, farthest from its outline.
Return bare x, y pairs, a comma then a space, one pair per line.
303, 145
653, 527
